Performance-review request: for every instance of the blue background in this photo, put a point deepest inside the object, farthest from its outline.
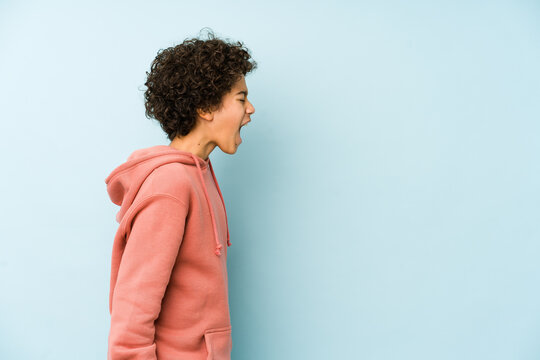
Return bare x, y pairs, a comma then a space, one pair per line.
384, 203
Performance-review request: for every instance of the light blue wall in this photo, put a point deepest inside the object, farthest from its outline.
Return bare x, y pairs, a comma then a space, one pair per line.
384, 203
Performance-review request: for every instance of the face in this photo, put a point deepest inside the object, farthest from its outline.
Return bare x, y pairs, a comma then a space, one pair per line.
234, 113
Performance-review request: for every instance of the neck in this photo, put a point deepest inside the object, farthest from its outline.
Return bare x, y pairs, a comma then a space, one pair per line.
193, 144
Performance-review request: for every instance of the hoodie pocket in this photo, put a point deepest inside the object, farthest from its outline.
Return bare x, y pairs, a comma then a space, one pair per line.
218, 343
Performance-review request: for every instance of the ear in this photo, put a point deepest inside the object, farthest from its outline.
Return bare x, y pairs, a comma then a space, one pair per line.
206, 115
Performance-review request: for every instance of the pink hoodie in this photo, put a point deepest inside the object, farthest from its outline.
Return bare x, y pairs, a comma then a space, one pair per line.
168, 289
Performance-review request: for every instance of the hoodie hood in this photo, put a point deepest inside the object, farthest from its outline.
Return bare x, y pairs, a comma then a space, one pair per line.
124, 182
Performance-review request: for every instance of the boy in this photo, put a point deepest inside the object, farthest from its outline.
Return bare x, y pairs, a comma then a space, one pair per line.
168, 288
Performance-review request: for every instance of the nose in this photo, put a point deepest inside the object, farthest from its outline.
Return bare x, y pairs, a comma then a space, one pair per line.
250, 109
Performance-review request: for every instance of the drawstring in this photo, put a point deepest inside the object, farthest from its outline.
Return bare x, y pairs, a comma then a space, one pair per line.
218, 245
222, 201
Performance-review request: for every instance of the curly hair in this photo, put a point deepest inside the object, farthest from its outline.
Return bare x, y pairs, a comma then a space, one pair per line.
194, 75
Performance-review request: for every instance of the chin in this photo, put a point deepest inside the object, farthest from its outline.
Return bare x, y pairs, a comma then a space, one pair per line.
230, 150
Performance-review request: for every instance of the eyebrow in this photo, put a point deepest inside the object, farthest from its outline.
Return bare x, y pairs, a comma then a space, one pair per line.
242, 92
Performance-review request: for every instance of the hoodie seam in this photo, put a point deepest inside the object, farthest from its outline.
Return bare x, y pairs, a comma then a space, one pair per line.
136, 206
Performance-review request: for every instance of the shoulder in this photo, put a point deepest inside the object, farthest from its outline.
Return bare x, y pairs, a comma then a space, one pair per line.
170, 179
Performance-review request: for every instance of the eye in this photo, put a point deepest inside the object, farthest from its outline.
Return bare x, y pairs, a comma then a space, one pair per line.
242, 100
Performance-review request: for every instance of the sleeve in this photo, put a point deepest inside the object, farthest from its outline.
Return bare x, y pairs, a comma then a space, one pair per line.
149, 255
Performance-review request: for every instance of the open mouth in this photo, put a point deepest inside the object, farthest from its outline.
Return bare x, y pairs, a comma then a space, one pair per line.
239, 139
240, 128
